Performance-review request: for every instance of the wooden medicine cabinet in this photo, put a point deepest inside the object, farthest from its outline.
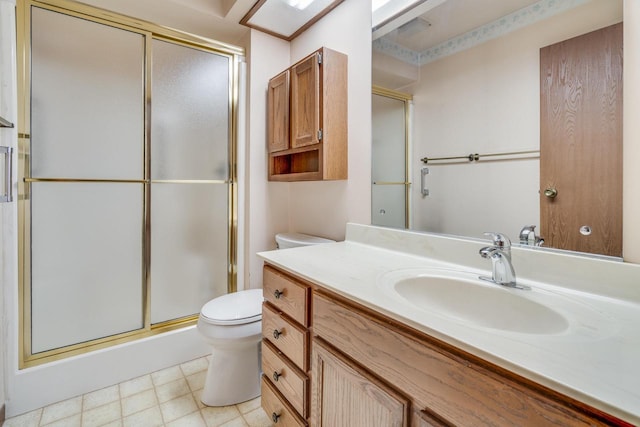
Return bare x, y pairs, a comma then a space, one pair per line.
307, 119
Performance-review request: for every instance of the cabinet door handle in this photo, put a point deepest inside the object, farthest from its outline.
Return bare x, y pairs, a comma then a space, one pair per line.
277, 293
274, 417
277, 333
276, 376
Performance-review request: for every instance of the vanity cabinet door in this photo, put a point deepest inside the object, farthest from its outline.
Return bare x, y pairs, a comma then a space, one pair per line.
278, 112
305, 102
344, 394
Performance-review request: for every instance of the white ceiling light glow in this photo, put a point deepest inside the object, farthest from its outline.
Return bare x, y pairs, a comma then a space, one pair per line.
299, 4
287, 18
377, 4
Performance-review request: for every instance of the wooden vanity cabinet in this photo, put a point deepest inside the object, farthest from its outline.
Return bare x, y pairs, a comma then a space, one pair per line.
357, 367
307, 119
445, 385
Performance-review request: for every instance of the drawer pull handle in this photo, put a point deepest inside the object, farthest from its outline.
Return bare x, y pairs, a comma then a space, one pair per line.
277, 293
276, 375
274, 417
277, 333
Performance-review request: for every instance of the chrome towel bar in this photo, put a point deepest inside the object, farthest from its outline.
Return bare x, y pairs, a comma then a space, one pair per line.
476, 157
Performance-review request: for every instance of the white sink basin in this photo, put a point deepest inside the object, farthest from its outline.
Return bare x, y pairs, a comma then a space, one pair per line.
463, 297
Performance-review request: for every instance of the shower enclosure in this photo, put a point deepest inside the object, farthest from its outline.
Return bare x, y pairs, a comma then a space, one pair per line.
127, 193
390, 187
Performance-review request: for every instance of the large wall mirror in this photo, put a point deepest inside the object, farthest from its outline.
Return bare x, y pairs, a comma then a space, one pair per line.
515, 118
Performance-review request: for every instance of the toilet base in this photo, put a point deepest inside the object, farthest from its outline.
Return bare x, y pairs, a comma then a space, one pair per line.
233, 376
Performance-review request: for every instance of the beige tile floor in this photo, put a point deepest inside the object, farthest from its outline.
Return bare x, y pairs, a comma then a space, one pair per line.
170, 397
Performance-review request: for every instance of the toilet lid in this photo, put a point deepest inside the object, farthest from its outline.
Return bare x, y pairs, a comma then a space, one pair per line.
235, 308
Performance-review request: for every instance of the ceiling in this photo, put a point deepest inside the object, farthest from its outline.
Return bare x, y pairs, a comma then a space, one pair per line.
216, 19
426, 26
426, 22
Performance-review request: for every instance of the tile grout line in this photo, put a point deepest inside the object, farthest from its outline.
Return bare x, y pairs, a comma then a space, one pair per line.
120, 403
155, 391
194, 388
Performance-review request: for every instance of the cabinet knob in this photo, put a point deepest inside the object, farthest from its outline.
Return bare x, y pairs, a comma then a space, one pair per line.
277, 293
277, 333
274, 417
276, 375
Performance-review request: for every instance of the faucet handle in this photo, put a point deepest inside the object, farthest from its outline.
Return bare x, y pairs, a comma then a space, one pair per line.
499, 240
526, 232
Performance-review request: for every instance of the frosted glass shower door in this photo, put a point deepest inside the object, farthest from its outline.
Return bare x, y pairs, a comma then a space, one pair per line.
85, 183
388, 163
190, 137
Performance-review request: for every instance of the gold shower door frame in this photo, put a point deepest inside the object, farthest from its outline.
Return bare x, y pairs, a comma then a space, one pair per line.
149, 31
406, 99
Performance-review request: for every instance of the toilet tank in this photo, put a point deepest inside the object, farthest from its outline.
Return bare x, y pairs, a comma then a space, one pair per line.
294, 240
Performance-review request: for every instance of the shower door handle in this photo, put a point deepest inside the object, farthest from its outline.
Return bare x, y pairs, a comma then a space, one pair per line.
7, 194
423, 182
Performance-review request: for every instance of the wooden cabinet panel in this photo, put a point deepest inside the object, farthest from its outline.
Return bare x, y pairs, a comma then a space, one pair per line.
278, 112
335, 112
305, 102
287, 336
316, 120
277, 408
292, 383
346, 395
458, 390
286, 294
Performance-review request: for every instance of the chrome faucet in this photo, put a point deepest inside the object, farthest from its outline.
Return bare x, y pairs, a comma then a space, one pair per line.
528, 236
500, 256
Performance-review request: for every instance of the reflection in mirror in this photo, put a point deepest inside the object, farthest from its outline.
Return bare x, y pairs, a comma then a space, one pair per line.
473, 69
390, 190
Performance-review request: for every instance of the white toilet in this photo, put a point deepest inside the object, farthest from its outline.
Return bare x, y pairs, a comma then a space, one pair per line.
232, 324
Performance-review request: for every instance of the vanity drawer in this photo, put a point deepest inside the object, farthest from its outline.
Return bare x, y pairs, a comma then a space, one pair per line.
280, 412
285, 293
289, 380
287, 336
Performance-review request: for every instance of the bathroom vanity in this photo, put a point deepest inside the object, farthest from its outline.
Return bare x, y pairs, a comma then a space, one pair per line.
348, 339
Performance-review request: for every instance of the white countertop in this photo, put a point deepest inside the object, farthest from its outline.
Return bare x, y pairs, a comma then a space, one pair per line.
596, 362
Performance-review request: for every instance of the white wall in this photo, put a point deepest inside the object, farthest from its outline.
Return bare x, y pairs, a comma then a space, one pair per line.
487, 100
324, 208
268, 203
318, 208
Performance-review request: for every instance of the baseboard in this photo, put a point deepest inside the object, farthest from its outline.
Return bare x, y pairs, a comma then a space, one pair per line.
1, 414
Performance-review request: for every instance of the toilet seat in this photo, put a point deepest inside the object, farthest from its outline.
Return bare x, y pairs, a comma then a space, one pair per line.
237, 308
